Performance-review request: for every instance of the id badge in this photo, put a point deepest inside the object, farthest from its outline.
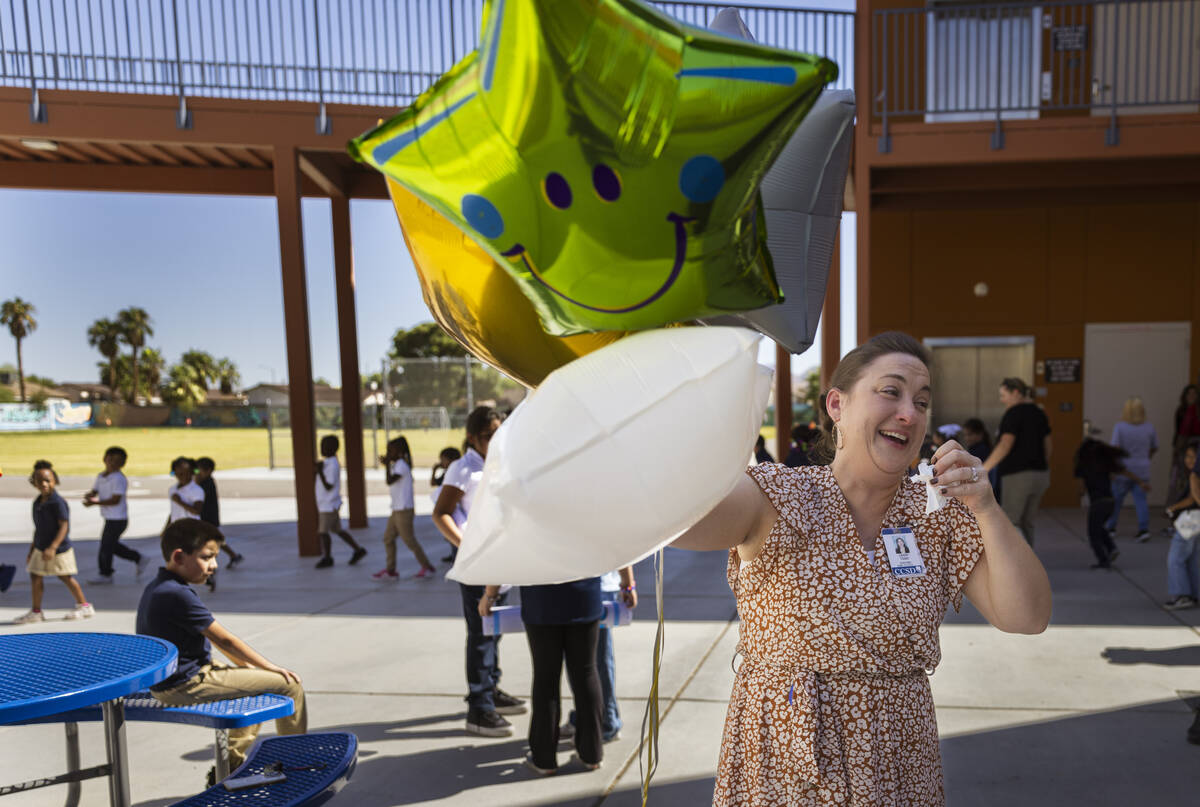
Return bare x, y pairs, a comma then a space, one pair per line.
904, 555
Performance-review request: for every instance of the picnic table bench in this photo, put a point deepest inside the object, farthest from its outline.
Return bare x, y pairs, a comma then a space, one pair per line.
317, 767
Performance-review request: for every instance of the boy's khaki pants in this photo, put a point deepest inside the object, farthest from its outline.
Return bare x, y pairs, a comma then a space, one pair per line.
218, 682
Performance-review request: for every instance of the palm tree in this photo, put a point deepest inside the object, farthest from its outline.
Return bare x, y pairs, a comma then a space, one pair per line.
17, 314
184, 387
152, 364
105, 336
135, 327
228, 375
204, 364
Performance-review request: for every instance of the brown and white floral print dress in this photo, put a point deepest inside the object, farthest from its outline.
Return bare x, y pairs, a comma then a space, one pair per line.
831, 703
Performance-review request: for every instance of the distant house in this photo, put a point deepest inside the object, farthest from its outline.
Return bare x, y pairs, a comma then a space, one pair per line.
259, 394
83, 392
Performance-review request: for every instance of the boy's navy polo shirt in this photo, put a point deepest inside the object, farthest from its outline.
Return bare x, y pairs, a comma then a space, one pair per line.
562, 604
171, 610
46, 515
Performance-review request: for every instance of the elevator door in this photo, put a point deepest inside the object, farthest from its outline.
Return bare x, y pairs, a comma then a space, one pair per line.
967, 375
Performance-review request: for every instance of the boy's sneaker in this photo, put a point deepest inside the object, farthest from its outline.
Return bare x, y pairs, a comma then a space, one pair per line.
487, 724
143, 563
234, 561
325, 562
84, 611
508, 704
611, 736
428, 571
358, 555
7, 573
529, 763
1180, 602
566, 731
385, 574
101, 580
29, 616
1142, 537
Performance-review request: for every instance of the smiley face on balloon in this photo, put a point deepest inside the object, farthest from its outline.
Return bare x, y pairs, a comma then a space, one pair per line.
608, 157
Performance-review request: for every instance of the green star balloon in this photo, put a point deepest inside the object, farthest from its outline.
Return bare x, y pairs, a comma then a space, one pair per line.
609, 156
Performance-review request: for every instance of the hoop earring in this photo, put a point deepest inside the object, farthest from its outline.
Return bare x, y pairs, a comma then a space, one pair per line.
839, 438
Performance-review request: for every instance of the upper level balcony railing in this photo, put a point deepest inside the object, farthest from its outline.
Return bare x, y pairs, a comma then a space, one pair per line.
951, 61
371, 52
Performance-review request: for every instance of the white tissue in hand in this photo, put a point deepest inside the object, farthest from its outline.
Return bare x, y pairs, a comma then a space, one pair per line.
934, 500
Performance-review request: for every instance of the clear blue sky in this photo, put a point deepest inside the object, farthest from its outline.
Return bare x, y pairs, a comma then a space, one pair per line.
207, 270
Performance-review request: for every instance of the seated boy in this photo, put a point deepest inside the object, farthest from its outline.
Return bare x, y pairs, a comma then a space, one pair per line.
171, 610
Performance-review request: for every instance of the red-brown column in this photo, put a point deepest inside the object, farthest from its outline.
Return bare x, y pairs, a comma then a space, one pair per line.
831, 318
783, 402
352, 427
299, 353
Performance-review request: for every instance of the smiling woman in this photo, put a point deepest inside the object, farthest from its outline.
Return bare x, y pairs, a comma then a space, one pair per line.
831, 704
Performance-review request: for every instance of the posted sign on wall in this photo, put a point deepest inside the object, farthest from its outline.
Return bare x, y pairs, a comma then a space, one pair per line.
56, 414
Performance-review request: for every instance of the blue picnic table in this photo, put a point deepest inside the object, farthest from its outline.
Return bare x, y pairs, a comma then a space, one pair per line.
45, 674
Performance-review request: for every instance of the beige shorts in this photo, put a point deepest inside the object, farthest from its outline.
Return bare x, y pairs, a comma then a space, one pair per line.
328, 522
62, 565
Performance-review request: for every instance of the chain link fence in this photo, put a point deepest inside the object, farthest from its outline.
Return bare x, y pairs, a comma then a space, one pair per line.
426, 400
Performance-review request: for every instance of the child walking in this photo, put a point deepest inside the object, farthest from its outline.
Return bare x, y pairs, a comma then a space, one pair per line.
185, 496
170, 609
445, 459
329, 502
1096, 463
210, 511
51, 553
108, 491
398, 466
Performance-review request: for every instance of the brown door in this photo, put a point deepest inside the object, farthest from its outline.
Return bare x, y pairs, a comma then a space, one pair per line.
1067, 47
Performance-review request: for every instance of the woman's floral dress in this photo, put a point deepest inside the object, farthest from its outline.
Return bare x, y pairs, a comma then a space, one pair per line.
831, 703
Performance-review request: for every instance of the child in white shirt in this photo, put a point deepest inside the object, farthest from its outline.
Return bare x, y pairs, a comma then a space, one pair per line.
329, 502
398, 467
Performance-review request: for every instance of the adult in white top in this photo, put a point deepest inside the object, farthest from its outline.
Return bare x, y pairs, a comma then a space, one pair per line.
108, 492
185, 495
398, 462
329, 502
486, 702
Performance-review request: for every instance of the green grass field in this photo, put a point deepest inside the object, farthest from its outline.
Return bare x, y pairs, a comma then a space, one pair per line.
152, 449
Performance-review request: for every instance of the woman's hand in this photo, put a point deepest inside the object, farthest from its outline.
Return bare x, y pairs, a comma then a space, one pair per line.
485, 605
960, 474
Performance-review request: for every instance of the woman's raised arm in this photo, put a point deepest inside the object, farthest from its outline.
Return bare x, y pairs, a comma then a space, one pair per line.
740, 517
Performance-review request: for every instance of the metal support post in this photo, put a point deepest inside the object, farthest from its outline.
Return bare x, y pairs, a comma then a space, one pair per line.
270, 439
37, 110
1112, 136
183, 115
470, 385
73, 788
114, 742
323, 124
221, 752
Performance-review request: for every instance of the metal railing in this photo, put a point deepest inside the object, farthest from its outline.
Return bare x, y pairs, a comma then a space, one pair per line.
372, 52
949, 61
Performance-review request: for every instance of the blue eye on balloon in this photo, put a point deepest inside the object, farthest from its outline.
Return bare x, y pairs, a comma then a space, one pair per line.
701, 178
558, 192
606, 182
482, 215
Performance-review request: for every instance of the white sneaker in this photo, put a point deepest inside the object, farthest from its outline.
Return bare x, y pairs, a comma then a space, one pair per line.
143, 562
84, 611
101, 580
29, 616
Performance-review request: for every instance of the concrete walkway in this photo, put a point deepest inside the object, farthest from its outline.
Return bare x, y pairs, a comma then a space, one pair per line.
1091, 712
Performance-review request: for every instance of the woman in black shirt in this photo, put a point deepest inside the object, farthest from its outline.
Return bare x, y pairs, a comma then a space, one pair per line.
1021, 455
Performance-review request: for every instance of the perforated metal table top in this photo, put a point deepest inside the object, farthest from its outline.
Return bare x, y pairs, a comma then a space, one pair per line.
47, 673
